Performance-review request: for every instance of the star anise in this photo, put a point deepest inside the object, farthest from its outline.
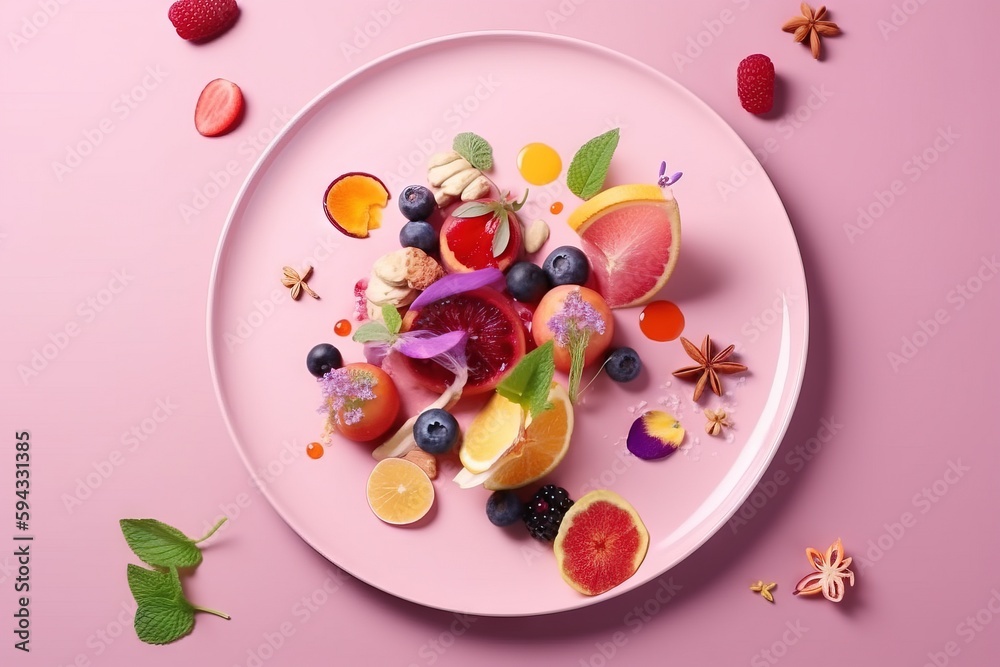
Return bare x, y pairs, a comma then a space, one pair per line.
811, 24
297, 283
709, 366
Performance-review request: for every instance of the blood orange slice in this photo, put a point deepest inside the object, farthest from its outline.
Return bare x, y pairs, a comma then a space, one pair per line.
631, 235
495, 343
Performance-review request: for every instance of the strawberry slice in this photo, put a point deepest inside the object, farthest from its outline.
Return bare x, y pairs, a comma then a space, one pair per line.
201, 20
219, 108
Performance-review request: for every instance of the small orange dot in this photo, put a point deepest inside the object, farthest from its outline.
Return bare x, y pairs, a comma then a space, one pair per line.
342, 328
556, 208
314, 450
661, 321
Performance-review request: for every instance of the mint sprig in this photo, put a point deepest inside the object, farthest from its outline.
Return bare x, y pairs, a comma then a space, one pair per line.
380, 332
160, 545
589, 167
163, 614
475, 149
531, 380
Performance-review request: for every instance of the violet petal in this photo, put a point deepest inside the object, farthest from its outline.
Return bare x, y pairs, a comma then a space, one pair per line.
655, 435
428, 346
456, 283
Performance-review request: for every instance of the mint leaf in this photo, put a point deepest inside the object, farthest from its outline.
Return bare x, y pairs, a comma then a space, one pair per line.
393, 321
373, 331
160, 545
589, 167
502, 235
530, 381
162, 620
475, 149
146, 584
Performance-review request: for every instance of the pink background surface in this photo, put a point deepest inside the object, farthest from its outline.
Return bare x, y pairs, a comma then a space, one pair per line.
105, 251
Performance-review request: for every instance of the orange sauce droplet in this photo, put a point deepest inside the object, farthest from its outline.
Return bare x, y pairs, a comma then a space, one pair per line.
556, 208
314, 450
342, 328
661, 321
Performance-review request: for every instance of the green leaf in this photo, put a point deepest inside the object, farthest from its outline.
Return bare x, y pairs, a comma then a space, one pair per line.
146, 584
393, 321
161, 620
473, 209
373, 331
475, 149
501, 238
160, 545
530, 381
586, 173
516, 206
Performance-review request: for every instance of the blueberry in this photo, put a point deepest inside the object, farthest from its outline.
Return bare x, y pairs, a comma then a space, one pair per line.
623, 364
419, 234
322, 359
416, 202
435, 431
504, 508
527, 282
567, 265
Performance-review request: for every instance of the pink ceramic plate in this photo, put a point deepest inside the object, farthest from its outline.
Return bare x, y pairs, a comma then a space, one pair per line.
739, 279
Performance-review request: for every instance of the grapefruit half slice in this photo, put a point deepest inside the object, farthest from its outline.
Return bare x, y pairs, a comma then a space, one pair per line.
631, 235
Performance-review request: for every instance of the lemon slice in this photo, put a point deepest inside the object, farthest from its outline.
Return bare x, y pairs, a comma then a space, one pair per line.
399, 492
492, 433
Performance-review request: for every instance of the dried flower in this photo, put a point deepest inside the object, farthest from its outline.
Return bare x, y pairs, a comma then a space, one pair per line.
345, 391
571, 327
710, 365
297, 283
764, 590
717, 420
830, 575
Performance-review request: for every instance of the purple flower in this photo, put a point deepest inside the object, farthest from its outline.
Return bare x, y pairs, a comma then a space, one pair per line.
576, 320
347, 388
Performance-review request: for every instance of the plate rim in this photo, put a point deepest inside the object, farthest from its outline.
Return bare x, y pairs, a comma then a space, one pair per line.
795, 386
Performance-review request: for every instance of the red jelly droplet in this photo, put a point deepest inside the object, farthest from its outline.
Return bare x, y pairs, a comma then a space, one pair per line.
314, 450
661, 321
342, 328
556, 208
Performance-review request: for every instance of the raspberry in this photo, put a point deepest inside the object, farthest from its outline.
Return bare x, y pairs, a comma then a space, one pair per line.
202, 19
755, 83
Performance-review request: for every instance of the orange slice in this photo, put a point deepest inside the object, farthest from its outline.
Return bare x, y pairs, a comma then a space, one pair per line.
399, 492
491, 434
354, 203
545, 443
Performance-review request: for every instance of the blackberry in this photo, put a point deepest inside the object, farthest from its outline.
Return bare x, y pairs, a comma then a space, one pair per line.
545, 511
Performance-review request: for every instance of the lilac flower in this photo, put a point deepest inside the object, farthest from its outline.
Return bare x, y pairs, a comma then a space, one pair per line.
664, 180
572, 326
347, 389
